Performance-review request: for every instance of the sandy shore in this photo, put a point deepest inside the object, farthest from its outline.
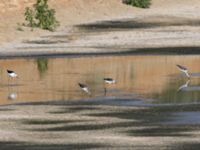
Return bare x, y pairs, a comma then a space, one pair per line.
89, 125
124, 28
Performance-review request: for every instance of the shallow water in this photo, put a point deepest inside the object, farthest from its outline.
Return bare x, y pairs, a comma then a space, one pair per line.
150, 100
138, 77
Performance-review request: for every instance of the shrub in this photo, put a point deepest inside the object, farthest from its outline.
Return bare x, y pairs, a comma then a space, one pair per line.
29, 17
138, 3
41, 16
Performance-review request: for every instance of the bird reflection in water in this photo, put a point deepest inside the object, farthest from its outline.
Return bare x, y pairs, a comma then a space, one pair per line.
12, 96
187, 87
182, 87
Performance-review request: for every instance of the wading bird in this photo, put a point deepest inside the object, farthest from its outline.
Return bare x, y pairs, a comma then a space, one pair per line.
184, 70
108, 81
84, 88
12, 74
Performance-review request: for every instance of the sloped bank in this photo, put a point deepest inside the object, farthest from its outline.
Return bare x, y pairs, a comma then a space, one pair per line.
155, 35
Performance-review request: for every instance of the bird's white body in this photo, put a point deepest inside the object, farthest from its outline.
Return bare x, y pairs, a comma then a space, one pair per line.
109, 81
85, 89
12, 75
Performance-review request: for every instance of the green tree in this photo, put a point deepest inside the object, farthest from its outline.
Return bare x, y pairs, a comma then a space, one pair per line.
41, 16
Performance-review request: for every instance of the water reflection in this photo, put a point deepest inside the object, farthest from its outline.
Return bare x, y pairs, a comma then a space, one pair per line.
182, 87
12, 96
186, 93
42, 64
149, 77
192, 88
186, 87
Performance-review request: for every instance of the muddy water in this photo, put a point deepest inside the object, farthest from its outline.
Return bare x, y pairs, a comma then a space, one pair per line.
148, 77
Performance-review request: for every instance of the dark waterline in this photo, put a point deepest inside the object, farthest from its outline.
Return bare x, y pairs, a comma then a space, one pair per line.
171, 51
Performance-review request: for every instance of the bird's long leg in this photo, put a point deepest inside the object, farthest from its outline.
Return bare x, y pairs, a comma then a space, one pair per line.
8, 87
105, 90
17, 80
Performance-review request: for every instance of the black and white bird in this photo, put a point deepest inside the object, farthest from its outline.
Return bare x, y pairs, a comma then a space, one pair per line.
12, 74
109, 81
184, 70
84, 88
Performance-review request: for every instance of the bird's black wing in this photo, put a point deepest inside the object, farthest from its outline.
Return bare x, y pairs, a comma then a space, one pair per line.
181, 67
108, 79
10, 71
82, 85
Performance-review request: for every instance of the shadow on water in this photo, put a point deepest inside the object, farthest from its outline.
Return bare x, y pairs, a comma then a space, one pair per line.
30, 146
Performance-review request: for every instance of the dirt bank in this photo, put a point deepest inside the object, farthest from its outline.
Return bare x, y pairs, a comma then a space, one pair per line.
68, 12
94, 125
171, 23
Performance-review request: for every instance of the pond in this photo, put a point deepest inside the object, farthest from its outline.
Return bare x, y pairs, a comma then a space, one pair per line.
152, 77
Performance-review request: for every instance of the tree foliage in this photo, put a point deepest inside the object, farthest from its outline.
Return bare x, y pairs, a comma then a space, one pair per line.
138, 3
41, 16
